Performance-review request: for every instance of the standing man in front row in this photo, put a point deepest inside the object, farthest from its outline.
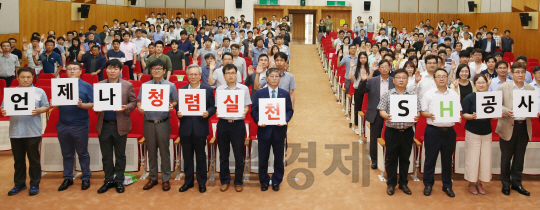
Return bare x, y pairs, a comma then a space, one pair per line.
271, 136
231, 131
399, 136
193, 132
73, 130
157, 129
112, 128
25, 137
514, 132
439, 136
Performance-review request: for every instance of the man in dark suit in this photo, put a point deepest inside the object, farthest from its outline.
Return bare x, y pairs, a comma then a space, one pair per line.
489, 45
271, 135
112, 128
375, 87
193, 132
360, 38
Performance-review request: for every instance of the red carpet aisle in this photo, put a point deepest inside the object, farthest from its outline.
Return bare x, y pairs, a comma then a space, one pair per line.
317, 118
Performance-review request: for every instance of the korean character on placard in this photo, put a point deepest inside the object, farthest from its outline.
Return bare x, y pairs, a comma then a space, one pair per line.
17, 98
489, 105
232, 106
156, 97
272, 110
66, 90
193, 101
110, 99
525, 103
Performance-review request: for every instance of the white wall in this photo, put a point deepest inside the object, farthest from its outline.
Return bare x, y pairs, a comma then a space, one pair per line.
506, 5
358, 10
155, 4
176, 3
485, 7
247, 9
448, 6
389, 5
9, 17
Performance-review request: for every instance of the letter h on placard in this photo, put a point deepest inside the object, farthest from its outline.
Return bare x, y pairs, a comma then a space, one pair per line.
450, 109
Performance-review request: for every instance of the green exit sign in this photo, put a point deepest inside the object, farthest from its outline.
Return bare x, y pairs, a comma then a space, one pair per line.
335, 3
269, 2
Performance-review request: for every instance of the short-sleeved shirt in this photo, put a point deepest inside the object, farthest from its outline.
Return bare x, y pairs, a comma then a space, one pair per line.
346, 60
203, 51
140, 43
27, 126
17, 52
176, 59
8, 64
31, 63
220, 78
60, 49
49, 61
73, 115
164, 58
186, 46
255, 53
128, 49
111, 54
384, 104
428, 104
173, 96
247, 98
478, 126
496, 82
286, 82
491, 76
328, 25
507, 43
537, 88
158, 36
240, 64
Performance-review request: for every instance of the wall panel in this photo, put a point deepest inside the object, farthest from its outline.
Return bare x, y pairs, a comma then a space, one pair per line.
215, 4
389, 5
176, 3
155, 3
411, 20
495, 6
427, 6
198, 4
408, 6
448, 6
210, 13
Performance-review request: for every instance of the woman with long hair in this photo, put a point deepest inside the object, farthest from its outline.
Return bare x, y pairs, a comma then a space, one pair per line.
478, 40
411, 69
455, 39
73, 51
393, 36
406, 45
273, 50
355, 72
344, 48
381, 24
463, 86
204, 21
322, 30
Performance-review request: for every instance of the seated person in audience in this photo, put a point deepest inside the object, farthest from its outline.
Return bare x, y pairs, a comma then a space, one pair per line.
490, 72
257, 80
177, 57
528, 76
94, 62
440, 137
25, 136
398, 136
215, 76
226, 46
115, 53
49, 59
231, 131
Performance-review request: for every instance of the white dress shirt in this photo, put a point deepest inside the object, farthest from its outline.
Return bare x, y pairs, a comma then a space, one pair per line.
426, 83
428, 104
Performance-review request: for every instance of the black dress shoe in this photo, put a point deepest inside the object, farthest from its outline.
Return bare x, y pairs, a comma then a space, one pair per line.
506, 190
185, 187
275, 187
85, 184
65, 184
449, 192
520, 190
264, 187
202, 188
405, 189
374, 166
390, 190
119, 187
105, 187
427, 190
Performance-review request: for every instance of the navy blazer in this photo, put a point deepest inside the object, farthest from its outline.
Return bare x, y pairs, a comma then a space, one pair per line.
358, 41
197, 125
493, 46
372, 87
279, 131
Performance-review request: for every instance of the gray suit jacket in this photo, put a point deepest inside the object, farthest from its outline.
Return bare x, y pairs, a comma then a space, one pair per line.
123, 119
372, 87
505, 125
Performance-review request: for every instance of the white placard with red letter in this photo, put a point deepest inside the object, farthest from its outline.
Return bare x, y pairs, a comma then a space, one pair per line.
230, 103
155, 97
525, 103
192, 102
19, 101
272, 111
65, 91
107, 96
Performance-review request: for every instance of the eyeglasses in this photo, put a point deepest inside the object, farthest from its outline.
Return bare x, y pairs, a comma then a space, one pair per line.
274, 77
441, 77
502, 68
432, 63
230, 74
519, 72
157, 69
193, 75
401, 78
481, 83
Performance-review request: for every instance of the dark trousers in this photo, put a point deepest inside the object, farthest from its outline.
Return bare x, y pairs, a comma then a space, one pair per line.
129, 64
74, 138
22, 147
437, 140
375, 132
8, 80
358, 100
278, 148
398, 151
513, 151
347, 86
231, 134
194, 144
111, 142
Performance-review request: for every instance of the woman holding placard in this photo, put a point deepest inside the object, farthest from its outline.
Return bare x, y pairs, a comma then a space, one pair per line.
477, 140
463, 86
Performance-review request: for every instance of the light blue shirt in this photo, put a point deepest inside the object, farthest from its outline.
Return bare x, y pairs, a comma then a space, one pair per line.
496, 82
537, 88
27, 126
158, 36
528, 77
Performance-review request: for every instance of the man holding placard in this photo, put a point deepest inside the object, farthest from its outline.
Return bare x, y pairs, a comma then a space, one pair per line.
73, 126
404, 106
114, 123
197, 107
272, 127
232, 106
441, 107
25, 132
154, 97
515, 127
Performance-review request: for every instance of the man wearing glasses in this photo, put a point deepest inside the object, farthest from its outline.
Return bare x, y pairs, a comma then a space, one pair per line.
157, 129
438, 136
427, 81
193, 132
216, 77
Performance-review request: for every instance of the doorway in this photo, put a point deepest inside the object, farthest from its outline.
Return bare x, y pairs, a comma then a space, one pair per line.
303, 26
